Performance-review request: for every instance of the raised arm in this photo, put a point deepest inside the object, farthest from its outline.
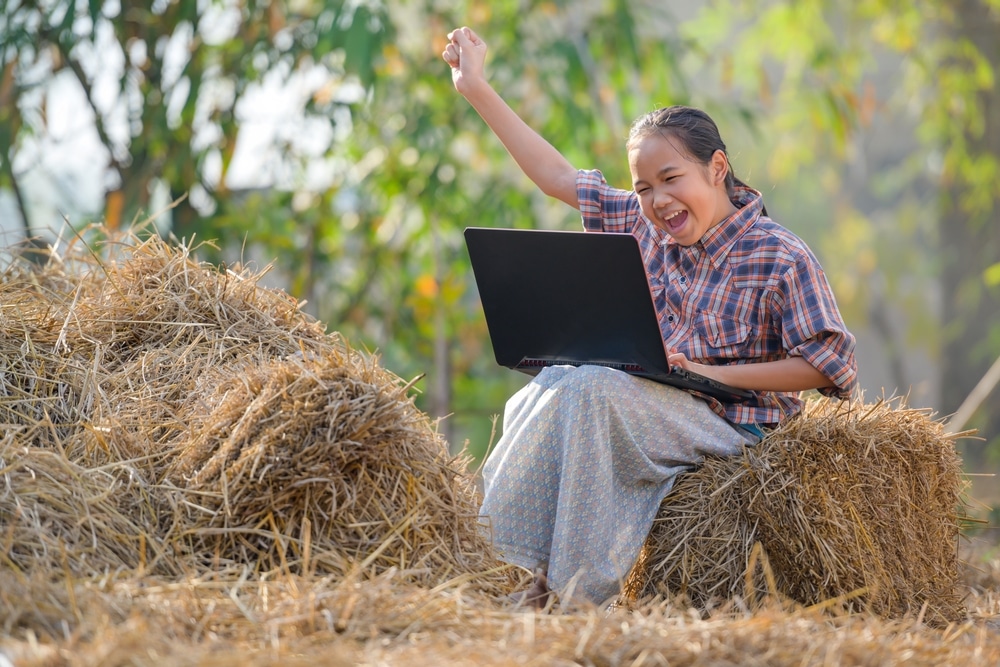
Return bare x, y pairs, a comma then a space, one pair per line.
536, 157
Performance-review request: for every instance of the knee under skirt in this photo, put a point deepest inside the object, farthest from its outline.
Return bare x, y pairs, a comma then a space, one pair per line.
586, 457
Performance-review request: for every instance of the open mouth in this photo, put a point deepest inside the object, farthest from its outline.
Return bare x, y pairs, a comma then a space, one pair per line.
675, 221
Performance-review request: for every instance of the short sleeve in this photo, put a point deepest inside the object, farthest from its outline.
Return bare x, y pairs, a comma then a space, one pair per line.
604, 208
813, 328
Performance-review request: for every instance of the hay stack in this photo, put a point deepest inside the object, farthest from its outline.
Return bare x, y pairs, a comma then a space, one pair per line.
164, 416
323, 454
850, 501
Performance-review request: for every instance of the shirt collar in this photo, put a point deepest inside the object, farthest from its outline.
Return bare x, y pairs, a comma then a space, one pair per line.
717, 241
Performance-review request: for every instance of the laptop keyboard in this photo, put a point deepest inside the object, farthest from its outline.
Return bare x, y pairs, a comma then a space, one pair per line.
544, 363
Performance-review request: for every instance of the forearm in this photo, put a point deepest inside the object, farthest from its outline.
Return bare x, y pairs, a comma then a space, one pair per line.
537, 158
790, 374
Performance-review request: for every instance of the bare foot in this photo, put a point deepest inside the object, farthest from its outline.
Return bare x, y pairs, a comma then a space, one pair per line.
535, 596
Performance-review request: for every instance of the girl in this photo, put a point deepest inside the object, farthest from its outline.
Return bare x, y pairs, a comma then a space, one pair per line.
587, 454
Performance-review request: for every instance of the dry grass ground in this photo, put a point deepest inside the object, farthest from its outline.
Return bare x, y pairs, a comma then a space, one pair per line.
383, 620
192, 472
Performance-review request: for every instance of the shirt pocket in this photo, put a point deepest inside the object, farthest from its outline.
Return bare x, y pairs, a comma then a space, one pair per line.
725, 337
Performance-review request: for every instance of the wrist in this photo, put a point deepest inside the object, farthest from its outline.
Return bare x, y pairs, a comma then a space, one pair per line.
475, 88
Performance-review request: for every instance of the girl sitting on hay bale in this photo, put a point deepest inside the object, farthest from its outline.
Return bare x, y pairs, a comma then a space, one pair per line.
587, 454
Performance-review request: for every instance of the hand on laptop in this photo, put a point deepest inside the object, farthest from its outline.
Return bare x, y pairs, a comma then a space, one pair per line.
677, 359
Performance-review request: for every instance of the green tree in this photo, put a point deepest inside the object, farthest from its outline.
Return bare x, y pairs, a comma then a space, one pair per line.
165, 81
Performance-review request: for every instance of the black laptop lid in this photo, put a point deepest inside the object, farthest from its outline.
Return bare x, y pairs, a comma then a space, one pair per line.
571, 296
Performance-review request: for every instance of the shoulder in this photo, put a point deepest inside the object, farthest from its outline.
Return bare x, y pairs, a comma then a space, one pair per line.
765, 238
759, 236
769, 255
593, 183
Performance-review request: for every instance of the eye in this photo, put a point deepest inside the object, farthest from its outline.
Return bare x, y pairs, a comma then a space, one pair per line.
642, 190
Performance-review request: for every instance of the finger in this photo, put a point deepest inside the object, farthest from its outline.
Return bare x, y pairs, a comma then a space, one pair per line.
473, 37
463, 37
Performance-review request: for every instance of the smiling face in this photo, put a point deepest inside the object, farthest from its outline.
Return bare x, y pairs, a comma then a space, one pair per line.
679, 195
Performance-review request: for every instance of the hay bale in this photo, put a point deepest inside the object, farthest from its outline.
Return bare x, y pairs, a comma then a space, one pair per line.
171, 418
329, 455
156, 324
855, 502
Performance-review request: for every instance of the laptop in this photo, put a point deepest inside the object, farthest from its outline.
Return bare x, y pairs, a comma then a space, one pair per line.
562, 297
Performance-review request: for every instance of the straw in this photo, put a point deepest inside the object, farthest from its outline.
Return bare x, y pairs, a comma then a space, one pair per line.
853, 501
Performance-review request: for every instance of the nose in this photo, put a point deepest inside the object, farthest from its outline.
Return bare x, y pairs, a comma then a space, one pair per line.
661, 198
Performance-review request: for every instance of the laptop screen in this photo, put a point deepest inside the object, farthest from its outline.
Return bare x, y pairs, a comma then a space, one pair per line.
574, 296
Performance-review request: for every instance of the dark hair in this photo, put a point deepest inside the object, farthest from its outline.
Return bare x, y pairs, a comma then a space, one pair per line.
694, 128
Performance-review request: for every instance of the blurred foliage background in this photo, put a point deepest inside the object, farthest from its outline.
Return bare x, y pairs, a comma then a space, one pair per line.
324, 140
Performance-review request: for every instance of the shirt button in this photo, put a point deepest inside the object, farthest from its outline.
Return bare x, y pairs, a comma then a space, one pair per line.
670, 318
683, 279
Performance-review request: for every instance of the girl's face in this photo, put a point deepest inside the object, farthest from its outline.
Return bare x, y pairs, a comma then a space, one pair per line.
678, 194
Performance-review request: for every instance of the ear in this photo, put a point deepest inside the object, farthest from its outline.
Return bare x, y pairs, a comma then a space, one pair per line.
719, 167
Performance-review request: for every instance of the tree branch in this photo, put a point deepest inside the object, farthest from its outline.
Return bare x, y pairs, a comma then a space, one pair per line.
975, 398
81, 76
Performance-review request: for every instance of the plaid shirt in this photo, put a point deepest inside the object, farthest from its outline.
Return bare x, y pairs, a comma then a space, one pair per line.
748, 291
